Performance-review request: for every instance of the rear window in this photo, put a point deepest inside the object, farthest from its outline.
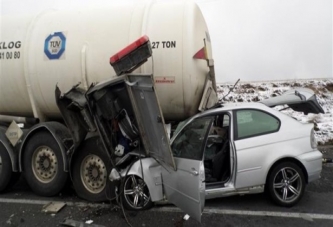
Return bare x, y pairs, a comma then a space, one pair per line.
251, 123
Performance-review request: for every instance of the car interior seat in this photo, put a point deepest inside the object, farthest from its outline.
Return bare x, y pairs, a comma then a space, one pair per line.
219, 162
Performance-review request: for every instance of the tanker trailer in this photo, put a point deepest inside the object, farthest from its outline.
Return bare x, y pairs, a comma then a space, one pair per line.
63, 48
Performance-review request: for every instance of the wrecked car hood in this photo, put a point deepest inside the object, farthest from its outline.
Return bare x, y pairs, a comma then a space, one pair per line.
139, 96
132, 95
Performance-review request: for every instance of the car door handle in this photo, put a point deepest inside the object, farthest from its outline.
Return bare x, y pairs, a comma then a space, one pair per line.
194, 172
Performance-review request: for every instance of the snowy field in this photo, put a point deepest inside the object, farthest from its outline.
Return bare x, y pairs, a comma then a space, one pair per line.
251, 92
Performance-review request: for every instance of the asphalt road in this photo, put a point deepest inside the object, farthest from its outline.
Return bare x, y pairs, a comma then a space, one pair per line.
20, 207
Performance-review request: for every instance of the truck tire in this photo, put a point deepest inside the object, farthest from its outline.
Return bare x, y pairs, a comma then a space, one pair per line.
43, 165
90, 168
5, 169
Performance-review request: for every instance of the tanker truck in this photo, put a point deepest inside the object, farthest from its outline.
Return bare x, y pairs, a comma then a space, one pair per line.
50, 135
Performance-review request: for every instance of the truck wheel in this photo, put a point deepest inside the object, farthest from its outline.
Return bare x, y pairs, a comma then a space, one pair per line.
5, 169
43, 165
135, 194
286, 184
90, 170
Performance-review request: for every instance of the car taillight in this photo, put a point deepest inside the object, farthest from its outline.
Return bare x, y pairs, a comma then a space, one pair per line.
313, 139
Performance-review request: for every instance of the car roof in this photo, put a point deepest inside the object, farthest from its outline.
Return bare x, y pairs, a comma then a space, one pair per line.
233, 106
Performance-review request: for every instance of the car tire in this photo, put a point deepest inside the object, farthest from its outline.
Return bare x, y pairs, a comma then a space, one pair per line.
286, 184
135, 194
43, 165
90, 169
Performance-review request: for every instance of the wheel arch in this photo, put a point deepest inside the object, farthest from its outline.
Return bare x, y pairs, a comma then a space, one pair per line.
10, 151
58, 131
151, 175
288, 159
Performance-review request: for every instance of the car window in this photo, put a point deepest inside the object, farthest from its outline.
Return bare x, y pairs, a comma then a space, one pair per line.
254, 122
189, 142
180, 126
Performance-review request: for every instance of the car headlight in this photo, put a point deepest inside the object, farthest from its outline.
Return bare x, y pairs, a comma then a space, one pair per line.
114, 175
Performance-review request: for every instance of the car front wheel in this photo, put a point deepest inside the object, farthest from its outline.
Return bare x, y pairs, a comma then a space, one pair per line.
135, 194
286, 184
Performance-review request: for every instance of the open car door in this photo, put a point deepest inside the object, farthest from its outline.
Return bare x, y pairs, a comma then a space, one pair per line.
183, 178
186, 187
299, 99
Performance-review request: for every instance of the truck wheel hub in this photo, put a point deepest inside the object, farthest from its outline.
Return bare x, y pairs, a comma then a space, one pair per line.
44, 164
93, 174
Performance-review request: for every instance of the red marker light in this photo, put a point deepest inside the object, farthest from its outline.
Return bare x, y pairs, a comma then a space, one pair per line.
201, 54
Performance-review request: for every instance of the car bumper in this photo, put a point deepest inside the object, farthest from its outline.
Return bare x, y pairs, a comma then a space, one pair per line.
313, 176
312, 162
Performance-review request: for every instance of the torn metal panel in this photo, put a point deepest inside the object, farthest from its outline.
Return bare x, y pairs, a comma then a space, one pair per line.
74, 110
53, 207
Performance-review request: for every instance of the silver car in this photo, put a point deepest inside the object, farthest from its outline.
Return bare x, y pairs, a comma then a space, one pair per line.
240, 148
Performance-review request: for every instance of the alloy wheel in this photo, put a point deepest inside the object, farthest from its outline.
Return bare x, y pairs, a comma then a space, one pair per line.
136, 192
287, 184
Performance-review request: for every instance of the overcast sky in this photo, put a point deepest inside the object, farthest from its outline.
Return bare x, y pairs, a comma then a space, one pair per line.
270, 39
253, 40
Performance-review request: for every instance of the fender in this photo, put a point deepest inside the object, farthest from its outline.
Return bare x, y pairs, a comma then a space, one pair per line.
59, 132
151, 175
13, 155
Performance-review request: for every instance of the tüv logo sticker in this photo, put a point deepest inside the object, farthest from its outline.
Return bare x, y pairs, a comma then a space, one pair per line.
55, 46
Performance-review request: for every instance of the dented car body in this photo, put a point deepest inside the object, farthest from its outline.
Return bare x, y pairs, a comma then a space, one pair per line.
240, 148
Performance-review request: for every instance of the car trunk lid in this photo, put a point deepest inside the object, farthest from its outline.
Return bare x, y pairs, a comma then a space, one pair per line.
299, 99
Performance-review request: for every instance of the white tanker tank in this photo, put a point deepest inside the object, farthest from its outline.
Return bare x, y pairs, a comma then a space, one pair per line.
66, 47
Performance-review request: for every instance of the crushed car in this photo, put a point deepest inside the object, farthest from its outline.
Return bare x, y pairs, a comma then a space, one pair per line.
238, 148
231, 149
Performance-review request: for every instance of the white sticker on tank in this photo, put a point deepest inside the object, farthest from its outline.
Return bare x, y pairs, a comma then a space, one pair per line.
55, 46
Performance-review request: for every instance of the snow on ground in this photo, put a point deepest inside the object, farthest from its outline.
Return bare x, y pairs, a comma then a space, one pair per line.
256, 91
